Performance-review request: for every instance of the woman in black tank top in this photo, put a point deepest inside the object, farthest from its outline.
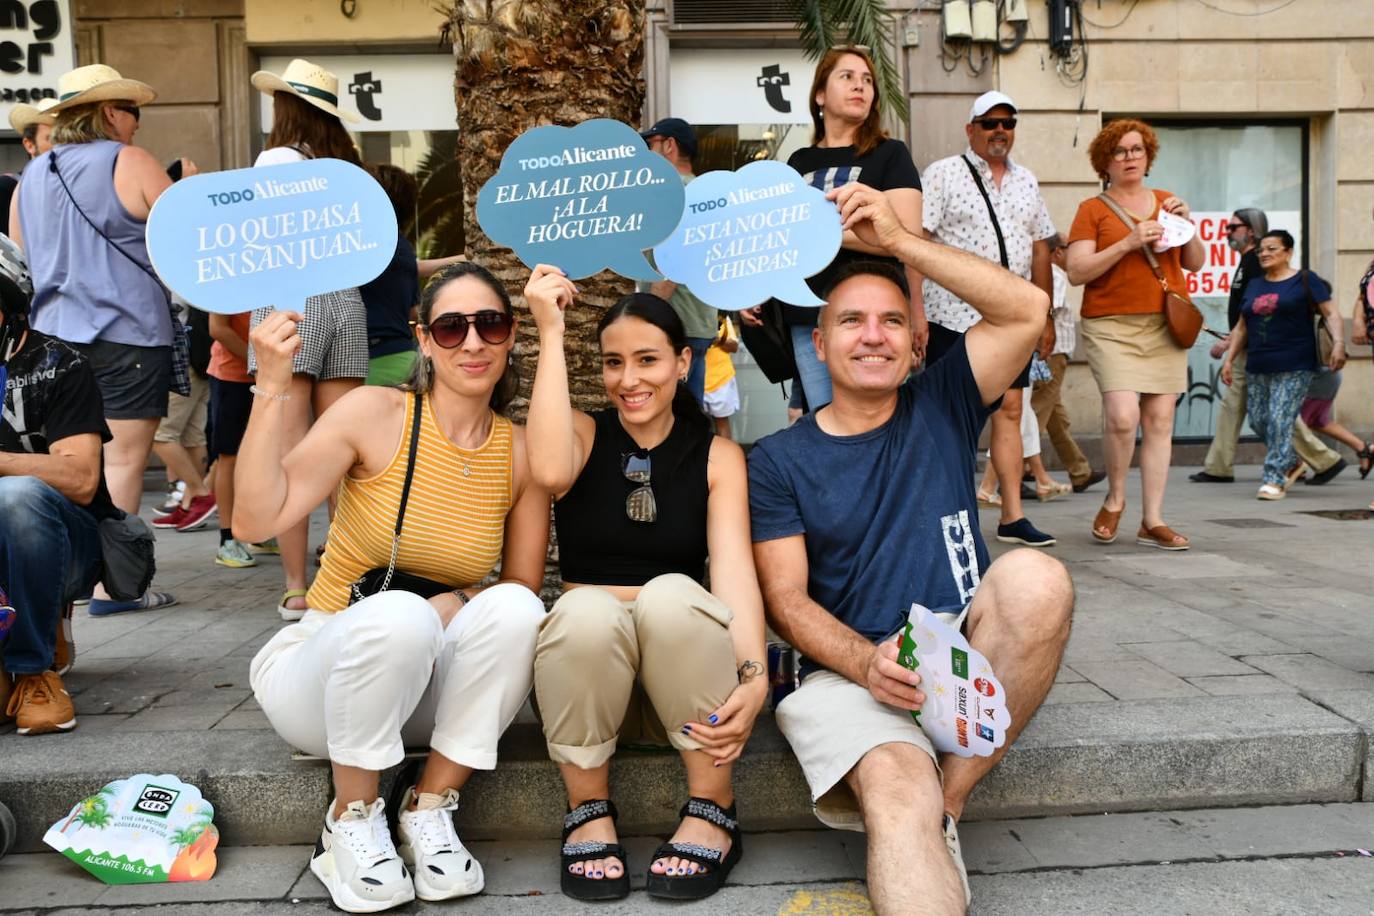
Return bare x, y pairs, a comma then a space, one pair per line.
637, 651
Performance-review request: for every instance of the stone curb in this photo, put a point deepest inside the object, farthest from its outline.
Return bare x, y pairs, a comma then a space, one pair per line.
1074, 758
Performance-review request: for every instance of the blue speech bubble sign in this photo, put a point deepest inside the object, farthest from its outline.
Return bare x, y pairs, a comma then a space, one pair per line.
582, 198
751, 235
233, 241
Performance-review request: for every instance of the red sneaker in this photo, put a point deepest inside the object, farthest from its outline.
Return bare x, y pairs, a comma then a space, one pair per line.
198, 513
169, 520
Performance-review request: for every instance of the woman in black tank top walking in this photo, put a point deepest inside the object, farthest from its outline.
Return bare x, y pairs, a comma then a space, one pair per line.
644, 493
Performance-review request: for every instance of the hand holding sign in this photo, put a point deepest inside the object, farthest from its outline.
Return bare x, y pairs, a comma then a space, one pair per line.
583, 198
548, 294
232, 241
965, 709
275, 342
750, 235
1176, 231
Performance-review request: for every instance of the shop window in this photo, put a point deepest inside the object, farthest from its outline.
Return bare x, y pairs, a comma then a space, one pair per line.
1217, 169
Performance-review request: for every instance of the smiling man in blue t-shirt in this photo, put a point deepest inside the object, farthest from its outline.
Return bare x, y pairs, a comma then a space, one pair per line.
868, 505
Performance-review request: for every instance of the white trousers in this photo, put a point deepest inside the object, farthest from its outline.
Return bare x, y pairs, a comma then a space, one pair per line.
360, 685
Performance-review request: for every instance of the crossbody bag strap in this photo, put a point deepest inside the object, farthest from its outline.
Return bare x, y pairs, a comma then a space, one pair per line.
405, 489
996, 227
1145, 250
52, 167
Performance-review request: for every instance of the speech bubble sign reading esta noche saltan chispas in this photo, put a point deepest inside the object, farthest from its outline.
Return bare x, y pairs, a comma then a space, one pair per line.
751, 235
582, 198
271, 236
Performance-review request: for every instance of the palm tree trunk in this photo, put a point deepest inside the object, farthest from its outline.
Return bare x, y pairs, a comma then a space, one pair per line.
525, 63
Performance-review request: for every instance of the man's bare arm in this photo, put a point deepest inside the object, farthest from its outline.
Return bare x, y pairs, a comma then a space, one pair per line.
71, 467
815, 632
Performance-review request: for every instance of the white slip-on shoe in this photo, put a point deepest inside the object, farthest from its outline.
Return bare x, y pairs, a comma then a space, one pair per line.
951, 831
357, 863
1270, 491
441, 865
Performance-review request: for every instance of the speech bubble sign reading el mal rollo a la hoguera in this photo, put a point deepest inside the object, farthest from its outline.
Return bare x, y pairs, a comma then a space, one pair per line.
582, 198
274, 235
751, 235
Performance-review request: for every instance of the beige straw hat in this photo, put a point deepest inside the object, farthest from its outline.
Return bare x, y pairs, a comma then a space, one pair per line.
98, 83
309, 82
21, 115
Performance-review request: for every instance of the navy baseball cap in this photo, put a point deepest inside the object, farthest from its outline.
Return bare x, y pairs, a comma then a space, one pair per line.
677, 129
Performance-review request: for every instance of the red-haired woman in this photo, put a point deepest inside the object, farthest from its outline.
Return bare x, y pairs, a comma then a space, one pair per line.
1139, 368
849, 144
333, 357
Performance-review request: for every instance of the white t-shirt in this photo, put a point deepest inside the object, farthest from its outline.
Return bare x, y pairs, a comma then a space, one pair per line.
278, 155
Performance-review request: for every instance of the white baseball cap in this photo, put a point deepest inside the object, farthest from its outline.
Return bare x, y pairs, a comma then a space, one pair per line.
987, 102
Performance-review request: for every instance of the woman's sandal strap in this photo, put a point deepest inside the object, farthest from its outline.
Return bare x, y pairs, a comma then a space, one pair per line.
592, 810
580, 851
707, 810
702, 855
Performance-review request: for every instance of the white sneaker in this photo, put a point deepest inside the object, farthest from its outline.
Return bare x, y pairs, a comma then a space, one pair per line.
951, 831
357, 863
1270, 491
442, 867
175, 492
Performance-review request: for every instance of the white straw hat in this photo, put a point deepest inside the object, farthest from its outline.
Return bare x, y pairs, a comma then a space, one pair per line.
309, 82
21, 115
98, 83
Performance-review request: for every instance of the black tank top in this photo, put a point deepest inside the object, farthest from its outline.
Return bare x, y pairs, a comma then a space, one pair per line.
598, 544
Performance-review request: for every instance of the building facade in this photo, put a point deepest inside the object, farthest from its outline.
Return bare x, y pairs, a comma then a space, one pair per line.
1258, 103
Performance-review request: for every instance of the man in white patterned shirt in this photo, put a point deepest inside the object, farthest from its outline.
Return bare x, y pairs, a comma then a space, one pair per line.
961, 195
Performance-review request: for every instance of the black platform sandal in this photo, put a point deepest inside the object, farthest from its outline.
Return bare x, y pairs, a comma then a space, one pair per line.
702, 884
1366, 456
580, 887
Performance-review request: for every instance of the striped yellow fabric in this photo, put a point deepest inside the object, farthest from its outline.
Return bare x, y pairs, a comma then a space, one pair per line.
455, 520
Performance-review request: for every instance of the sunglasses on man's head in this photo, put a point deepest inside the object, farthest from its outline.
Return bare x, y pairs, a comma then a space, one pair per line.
450, 330
129, 109
994, 123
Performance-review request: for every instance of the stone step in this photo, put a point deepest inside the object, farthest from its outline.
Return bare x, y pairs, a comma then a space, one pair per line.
1074, 758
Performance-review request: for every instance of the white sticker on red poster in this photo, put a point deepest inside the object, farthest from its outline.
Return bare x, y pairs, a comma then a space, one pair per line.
1214, 279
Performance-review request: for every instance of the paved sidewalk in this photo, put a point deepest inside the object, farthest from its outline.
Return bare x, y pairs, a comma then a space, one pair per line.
1237, 673
1247, 862
1270, 601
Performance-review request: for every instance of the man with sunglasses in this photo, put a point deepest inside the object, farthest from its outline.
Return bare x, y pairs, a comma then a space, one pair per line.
1243, 232
982, 202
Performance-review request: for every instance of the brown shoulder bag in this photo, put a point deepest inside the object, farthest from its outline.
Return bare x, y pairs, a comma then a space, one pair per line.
1183, 318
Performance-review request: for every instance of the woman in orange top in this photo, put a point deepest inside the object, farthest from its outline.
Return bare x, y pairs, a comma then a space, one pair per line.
359, 682
1138, 367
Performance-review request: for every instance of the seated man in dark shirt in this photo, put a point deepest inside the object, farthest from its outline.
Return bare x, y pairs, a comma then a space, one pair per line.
52, 495
867, 506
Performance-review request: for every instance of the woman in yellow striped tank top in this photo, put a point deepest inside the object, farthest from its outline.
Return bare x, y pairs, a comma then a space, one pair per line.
357, 683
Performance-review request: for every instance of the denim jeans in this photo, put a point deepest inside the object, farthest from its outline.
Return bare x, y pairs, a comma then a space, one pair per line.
696, 376
812, 374
49, 555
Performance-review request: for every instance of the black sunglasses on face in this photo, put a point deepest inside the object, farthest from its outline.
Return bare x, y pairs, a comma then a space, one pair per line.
994, 123
128, 109
450, 330
1232, 227
640, 505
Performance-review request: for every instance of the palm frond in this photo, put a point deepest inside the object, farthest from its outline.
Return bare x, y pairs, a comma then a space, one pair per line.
825, 23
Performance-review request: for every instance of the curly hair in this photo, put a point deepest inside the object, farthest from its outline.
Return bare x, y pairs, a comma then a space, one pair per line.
1100, 150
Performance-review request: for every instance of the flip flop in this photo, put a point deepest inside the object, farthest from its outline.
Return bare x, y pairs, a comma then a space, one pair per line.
1110, 521
1161, 536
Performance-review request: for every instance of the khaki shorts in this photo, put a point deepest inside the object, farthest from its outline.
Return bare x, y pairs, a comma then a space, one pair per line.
186, 416
832, 723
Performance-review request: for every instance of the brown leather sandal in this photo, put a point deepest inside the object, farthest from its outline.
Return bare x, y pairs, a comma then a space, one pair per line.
1161, 536
1109, 520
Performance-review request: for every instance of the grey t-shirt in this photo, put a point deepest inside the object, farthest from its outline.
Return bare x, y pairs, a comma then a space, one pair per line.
697, 317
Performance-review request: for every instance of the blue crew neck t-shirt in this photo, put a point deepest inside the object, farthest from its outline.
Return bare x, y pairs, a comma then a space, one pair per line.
889, 516
1278, 323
